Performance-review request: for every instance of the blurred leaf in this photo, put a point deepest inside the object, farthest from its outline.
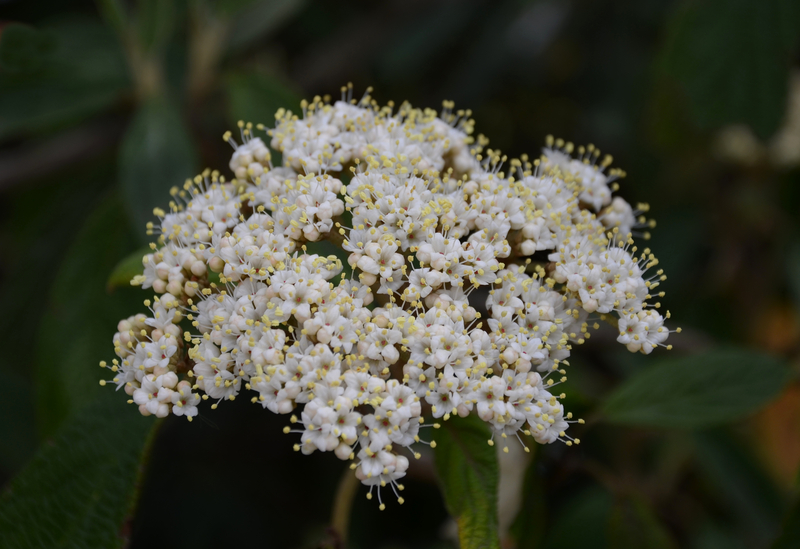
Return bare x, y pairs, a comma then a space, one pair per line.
253, 19
789, 537
793, 271
467, 468
155, 22
633, 524
76, 330
529, 527
77, 491
128, 268
698, 391
582, 523
714, 536
84, 73
738, 483
732, 63
18, 428
254, 97
157, 154
23, 48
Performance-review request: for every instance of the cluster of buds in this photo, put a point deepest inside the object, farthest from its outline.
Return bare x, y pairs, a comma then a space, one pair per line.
464, 290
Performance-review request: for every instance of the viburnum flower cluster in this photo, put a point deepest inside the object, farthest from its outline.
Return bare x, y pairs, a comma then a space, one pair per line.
464, 291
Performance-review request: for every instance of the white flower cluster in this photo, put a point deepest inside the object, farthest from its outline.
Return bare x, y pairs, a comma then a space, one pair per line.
466, 289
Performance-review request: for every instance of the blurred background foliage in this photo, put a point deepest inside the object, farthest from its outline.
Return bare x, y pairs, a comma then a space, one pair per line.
105, 105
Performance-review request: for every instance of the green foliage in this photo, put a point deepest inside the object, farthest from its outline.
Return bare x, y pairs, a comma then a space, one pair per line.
731, 472
530, 524
698, 391
23, 48
18, 429
590, 509
128, 268
633, 524
467, 468
733, 59
253, 19
69, 70
254, 97
66, 367
77, 490
157, 154
789, 538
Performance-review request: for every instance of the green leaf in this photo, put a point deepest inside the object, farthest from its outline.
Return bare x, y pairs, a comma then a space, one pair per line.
18, 428
77, 490
731, 474
698, 391
77, 328
529, 527
591, 510
467, 468
82, 74
255, 19
254, 97
155, 22
732, 58
633, 524
23, 48
157, 154
789, 537
128, 268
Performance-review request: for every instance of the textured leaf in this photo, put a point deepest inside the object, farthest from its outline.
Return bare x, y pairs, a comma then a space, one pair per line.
157, 154
468, 472
76, 330
732, 58
255, 97
698, 391
633, 524
80, 70
128, 268
77, 490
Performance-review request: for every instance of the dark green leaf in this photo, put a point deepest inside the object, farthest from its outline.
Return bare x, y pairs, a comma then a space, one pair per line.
698, 391
732, 58
529, 527
735, 477
23, 48
128, 268
78, 326
467, 468
254, 97
793, 271
84, 73
77, 491
590, 510
633, 524
155, 21
157, 154
18, 428
254, 19
789, 537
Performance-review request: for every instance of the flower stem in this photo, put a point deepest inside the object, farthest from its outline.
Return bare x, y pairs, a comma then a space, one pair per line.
342, 505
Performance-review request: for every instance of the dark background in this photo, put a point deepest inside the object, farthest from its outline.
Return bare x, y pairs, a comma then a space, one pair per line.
699, 101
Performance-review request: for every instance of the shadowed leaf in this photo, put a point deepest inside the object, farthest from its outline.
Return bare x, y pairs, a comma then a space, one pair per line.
698, 391
467, 468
